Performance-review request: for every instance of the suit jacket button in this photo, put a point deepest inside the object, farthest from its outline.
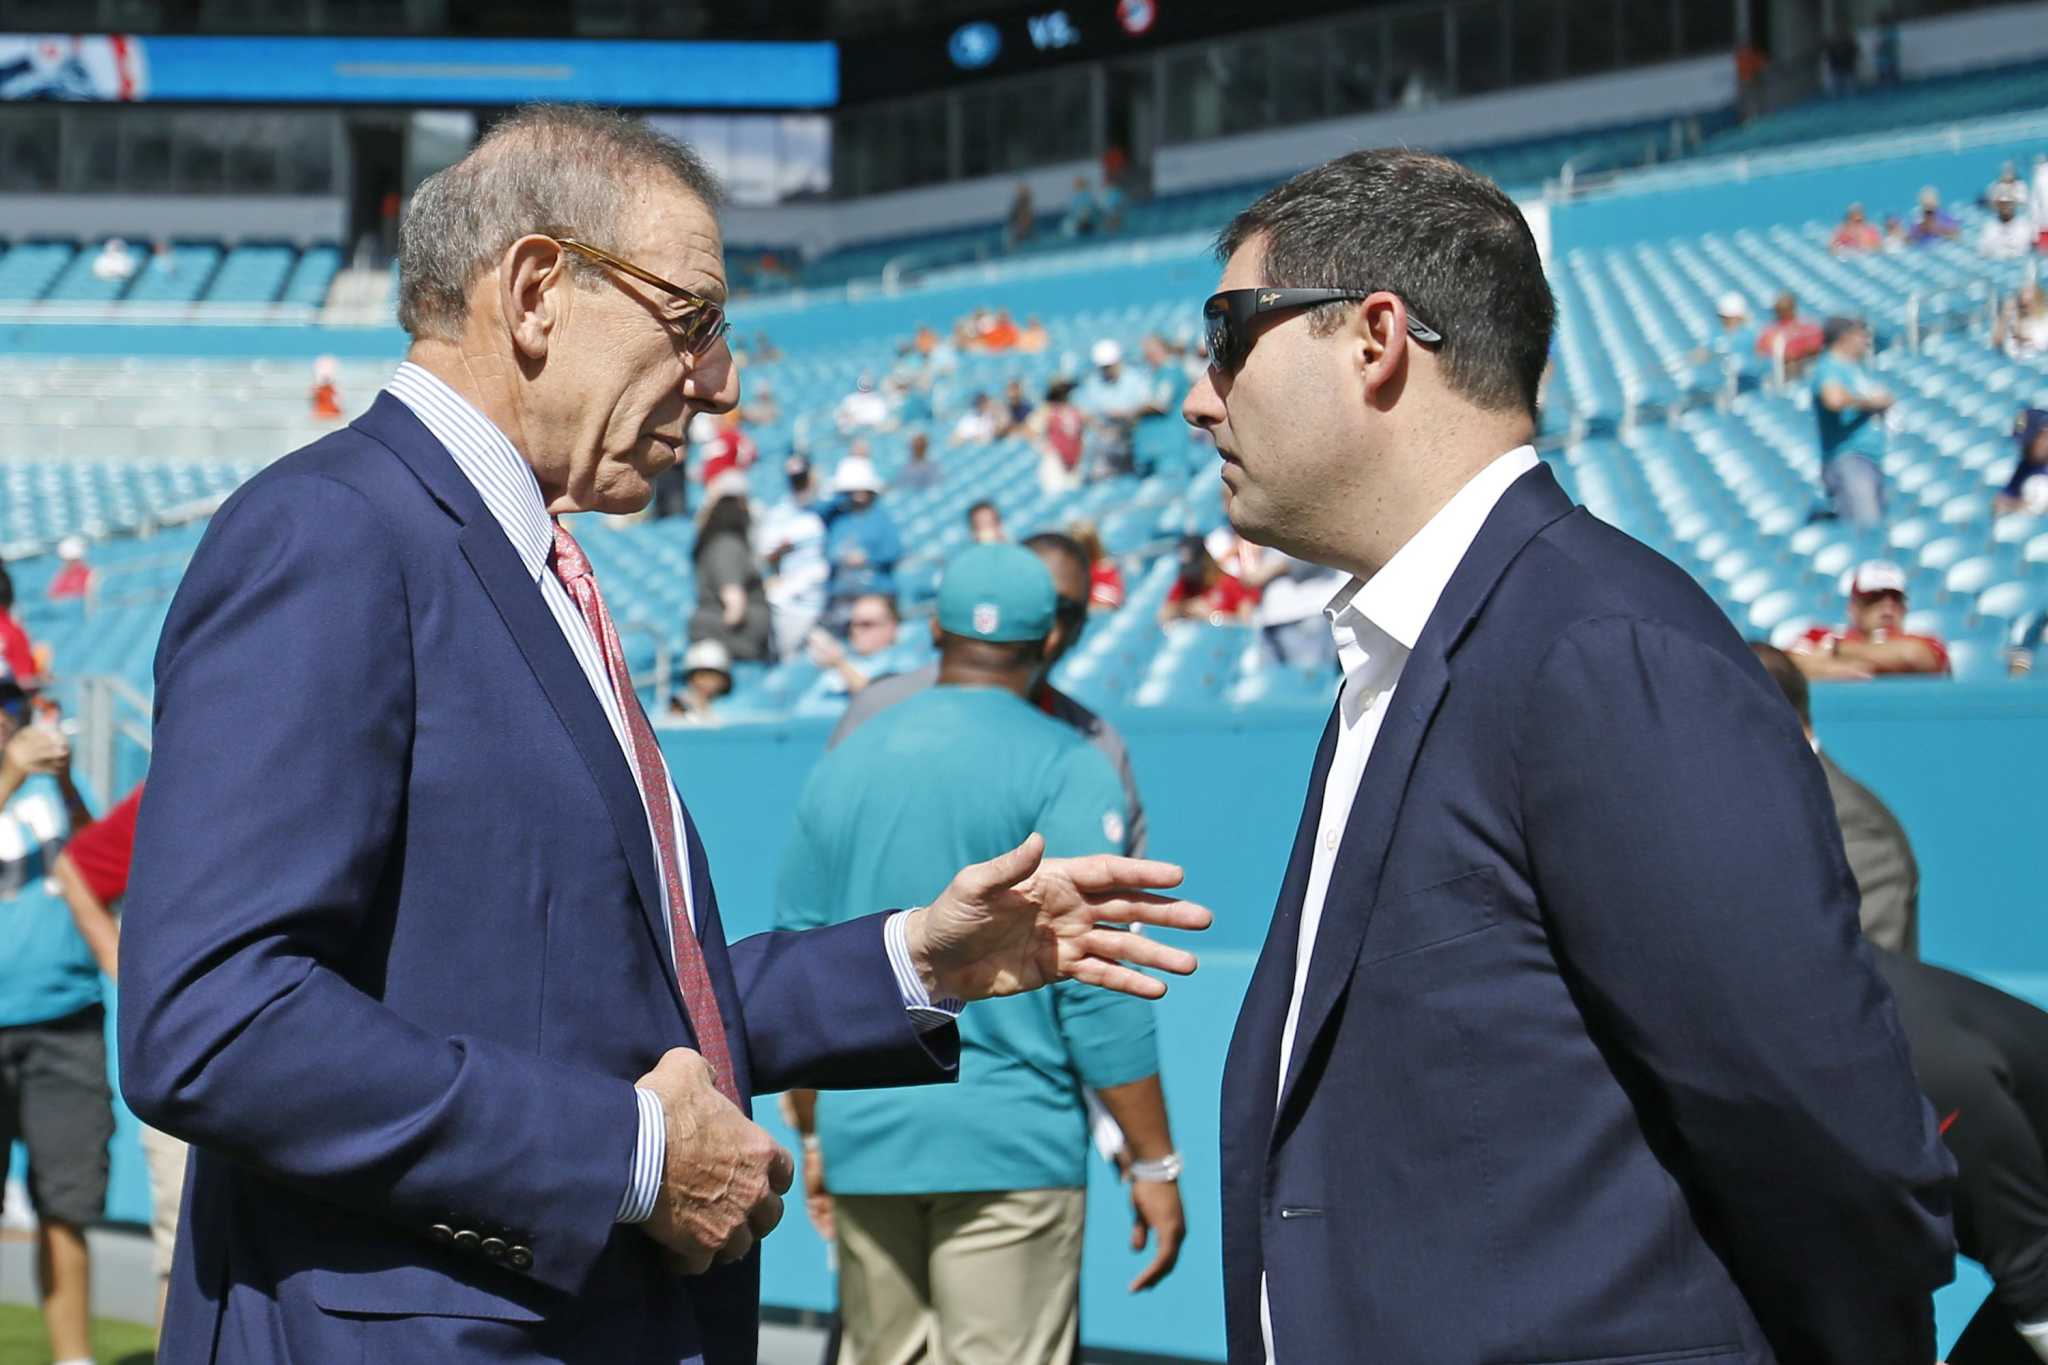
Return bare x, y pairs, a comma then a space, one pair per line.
519, 1258
441, 1233
493, 1247
466, 1240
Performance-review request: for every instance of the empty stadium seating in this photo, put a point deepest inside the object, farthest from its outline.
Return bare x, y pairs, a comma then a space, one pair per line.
61, 272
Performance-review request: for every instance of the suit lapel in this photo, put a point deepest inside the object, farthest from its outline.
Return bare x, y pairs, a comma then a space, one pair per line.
518, 600
1531, 503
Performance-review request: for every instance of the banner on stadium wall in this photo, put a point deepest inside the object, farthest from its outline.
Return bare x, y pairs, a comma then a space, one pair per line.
114, 68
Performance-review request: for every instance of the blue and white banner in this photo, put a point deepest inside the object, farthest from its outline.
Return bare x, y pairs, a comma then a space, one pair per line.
418, 71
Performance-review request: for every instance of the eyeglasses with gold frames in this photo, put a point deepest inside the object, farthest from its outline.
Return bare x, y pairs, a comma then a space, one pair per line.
702, 326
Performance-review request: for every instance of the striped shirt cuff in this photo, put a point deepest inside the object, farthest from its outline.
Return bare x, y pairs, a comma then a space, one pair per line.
650, 1154
926, 1014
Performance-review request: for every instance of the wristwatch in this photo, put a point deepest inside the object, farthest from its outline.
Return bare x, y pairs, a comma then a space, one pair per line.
1164, 1170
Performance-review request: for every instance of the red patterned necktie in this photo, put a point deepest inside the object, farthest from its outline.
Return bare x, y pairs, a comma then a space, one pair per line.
691, 974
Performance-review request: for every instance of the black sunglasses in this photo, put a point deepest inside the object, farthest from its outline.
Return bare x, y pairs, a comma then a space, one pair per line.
1228, 317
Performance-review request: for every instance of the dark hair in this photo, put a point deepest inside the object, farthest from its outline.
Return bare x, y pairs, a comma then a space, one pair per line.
983, 505
1787, 676
1059, 390
991, 655
6, 590
885, 599
1835, 328
726, 516
1441, 236
1059, 543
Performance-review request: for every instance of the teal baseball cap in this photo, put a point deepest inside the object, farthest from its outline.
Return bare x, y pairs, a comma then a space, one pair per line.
996, 592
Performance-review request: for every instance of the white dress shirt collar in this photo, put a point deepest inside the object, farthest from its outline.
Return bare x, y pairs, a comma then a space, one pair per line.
1378, 620
487, 459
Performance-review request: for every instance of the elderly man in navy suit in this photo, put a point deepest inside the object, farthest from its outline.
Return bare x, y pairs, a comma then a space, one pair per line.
1563, 1045
416, 901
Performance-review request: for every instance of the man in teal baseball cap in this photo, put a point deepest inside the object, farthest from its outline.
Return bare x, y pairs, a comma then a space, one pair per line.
957, 1210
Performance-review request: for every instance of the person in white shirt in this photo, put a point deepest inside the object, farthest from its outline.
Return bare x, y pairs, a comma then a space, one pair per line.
1560, 1046
791, 542
2008, 234
115, 262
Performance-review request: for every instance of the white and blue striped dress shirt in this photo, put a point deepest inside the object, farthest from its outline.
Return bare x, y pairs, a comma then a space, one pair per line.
505, 482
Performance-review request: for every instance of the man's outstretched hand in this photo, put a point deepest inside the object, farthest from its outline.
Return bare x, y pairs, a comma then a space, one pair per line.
1022, 921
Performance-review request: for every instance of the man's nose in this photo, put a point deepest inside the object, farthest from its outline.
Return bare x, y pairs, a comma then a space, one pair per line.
713, 383
1203, 407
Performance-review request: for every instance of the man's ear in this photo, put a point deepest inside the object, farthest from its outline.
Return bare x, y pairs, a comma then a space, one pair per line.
533, 287
1379, 337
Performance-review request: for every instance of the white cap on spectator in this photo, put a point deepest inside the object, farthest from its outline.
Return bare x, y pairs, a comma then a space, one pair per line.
707, 655
1875, 576
1106, 353
71, 547
856, 475
703, 428
1732, 305
729, 484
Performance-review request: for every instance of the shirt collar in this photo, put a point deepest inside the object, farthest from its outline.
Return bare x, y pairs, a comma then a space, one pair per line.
1378, 620
486, 457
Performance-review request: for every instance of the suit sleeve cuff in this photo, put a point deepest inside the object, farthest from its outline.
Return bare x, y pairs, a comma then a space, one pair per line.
926, 1014
650, 1154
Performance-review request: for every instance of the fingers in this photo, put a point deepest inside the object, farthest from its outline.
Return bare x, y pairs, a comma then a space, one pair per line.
1007, 869
1109, 871
1162, 1265
1115, 945
689, 1261
736, 1247
764, 1216
781, 1170
1138, 1231
1093, 971
1142, 908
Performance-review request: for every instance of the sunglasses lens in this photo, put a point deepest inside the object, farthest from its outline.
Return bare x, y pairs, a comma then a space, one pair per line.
1222, 339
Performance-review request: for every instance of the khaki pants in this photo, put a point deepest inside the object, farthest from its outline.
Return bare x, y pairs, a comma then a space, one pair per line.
166, 1158
960, 1279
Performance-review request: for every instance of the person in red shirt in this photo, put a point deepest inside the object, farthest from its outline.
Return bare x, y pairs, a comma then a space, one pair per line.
1875, 641
730, 449
1203, 591
1060, 431
1855, 233
17, 654
326, 396
74, 579
1804, 338
1105, 579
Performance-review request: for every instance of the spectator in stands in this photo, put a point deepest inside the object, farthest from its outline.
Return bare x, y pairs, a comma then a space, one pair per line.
1980, 1055
74, 577
707, 677
1160, 438
2021, 328
996, 332
1017, 407
1874, 643
1885, 49
2008, 235
1849, 407
865, 409
985, 524
862, 542
1059, 429
920, 471
791, 542
1896, 237
1290, 616
1854, 233
872, 627
1084, 214
1105, 579
17, 654
2037, 201
980, 424
2027, 489
1034, 338
54, 1095
1735, 344
115, 262
1114, 397
2008, 185
92, 876
1841, 58
732, 599
729, 450
759, 408
326, 395
1202, 591
1930, 223
1022, 219
1802, 337
971, 1248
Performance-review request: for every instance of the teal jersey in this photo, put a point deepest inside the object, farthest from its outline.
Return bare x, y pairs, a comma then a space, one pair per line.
46, 971
943, 779
1848, 432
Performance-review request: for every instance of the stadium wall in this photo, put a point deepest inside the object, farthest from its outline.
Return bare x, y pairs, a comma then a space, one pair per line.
1958, 42
298, 218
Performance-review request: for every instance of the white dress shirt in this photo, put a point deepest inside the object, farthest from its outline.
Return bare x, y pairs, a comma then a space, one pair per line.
1377, 622
505, 482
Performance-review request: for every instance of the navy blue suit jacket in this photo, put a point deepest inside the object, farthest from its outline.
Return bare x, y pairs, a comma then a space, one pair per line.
393, 954
1592, 1064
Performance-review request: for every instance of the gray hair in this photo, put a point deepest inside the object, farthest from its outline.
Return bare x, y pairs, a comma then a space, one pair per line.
564, 170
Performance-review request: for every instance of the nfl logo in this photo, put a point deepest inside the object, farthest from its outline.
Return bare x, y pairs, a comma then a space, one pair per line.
986, 618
